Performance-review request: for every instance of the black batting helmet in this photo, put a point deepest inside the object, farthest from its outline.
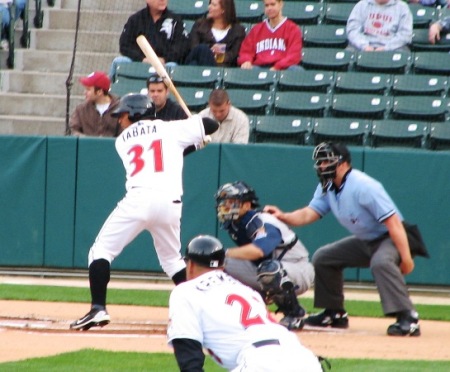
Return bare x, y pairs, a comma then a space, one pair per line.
206, 250
135, 104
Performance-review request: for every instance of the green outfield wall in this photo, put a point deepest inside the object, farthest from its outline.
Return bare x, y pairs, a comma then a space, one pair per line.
56, 192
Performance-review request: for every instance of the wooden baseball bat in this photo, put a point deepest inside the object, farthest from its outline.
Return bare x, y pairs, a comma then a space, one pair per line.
161, 71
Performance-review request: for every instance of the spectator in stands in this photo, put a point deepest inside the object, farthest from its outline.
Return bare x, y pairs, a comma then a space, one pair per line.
163, 29
209, 34
166, 109
93, 116
6, 19
275, 43
442, 3
441, 26
377, 25
233, 123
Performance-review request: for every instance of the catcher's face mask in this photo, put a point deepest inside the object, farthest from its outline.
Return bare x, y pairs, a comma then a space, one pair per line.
228, 210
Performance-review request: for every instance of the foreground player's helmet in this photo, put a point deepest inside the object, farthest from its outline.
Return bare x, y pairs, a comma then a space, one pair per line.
229, 199
136, 105
332, 154
206, 250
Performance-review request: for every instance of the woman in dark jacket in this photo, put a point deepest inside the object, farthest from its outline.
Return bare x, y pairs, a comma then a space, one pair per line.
219, 27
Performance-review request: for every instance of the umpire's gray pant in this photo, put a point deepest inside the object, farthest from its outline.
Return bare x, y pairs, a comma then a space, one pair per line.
383, 259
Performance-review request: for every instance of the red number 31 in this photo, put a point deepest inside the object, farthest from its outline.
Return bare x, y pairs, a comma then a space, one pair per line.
156, 147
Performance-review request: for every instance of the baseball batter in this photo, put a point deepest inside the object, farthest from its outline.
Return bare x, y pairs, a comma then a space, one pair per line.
152, 154
213, 311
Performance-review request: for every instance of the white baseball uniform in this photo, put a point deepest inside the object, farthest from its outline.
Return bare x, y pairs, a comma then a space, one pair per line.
231, 321
152, 154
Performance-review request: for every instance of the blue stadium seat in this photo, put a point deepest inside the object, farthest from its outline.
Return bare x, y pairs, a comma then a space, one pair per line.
196, 76
391, 62
440, 136
301, 103
420, 85
362, 82
359, 105
426, 108
347, 130
325, 36
437, 63
399, 133
328, 59
306, 81
282, 129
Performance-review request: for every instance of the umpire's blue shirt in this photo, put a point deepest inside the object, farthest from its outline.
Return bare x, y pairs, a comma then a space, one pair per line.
360, 205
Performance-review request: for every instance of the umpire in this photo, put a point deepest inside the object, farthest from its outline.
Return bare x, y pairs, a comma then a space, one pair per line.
379, 241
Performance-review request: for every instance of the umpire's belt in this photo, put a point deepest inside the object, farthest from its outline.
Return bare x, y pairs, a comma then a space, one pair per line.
266, 343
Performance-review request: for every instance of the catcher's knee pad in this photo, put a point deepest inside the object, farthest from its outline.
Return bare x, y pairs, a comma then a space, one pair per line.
270, 274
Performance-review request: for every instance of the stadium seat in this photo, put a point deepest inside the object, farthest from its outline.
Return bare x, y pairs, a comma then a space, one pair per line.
234, 77
189, 9
196, 99
196, 76
327, 59
420, 42
248, 11
188, 23
282, 129
440, 136
303, 13
349, 131
362, 82
391, 62
426, 108
301, 103
357, 105
437, 63
124, 85
325, 36
422, 15
337, 13
308, 80
252, 102
419, 85
134, 70
398, 133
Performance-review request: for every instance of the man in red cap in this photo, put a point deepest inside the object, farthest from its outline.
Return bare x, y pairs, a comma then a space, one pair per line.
93, 116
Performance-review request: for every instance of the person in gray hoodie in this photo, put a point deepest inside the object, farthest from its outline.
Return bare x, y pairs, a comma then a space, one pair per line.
377, 25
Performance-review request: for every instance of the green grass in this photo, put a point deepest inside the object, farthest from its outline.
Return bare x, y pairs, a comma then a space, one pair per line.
98, 361
108, 361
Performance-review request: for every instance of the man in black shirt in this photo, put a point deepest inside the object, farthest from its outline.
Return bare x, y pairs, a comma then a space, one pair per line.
166, 109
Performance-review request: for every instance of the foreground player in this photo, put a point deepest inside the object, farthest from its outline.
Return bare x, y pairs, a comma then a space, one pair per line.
153, 198
214, 311
269, 257
378, 240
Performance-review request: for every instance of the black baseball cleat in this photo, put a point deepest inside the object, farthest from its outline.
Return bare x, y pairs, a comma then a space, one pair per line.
94, 318
407, 324
328, 318
293, 323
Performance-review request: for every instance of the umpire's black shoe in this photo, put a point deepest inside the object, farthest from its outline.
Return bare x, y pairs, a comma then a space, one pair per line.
328, 318
407, 324
96, 317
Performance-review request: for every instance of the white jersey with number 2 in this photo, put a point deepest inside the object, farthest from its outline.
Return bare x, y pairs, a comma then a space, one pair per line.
152, 152
231, 321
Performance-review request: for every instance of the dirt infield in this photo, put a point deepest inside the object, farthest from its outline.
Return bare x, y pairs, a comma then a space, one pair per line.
34, 329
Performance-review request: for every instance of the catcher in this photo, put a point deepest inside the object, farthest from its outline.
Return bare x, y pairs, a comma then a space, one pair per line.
269, 257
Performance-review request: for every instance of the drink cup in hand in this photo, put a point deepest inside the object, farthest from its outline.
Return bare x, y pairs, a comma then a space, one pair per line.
219, 53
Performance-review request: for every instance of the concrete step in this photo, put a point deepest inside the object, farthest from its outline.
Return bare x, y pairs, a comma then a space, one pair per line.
63, 40
130, 6
36, 104
110, 20
60, 61
31, 125
37, 82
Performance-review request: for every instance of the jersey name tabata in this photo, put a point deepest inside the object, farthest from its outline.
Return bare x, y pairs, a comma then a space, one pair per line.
270, 44
140, 130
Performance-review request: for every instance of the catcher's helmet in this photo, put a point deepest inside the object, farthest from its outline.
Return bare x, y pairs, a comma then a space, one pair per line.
136, 105
206, 250
333, 154
237, 191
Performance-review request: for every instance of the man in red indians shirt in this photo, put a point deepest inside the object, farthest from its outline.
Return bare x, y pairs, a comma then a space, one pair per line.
275, 43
